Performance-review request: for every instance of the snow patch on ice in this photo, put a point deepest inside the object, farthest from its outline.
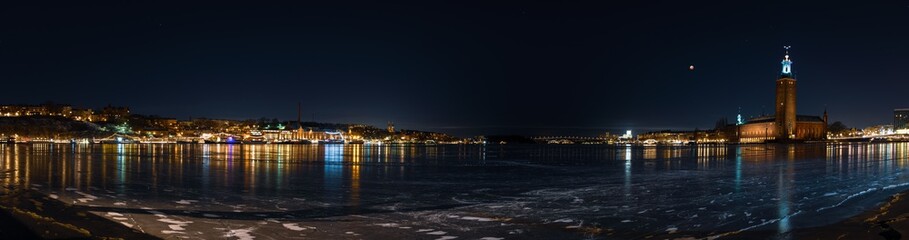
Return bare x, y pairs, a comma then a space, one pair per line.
848, 198
437, 233
896, 186
186, 202
480, 219
296, 227
446, 238
85, 197
242, 234
54, 196
764, 223
172, 221
491, 238
158, 214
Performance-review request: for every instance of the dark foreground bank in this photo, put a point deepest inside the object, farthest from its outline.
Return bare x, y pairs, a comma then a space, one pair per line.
886, 221
28, 214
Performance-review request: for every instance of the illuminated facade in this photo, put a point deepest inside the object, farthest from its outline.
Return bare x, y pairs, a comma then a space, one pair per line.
111, 113
47, 109
786, 124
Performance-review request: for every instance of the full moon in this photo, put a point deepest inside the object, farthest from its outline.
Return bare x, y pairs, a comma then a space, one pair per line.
691, 67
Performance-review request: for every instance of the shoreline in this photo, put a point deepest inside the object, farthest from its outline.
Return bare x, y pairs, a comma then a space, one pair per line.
894, 212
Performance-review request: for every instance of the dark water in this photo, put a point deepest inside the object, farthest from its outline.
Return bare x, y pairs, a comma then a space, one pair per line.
632, 191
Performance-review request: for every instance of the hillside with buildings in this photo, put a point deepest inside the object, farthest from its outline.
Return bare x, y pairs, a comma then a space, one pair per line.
60, 121
49, 127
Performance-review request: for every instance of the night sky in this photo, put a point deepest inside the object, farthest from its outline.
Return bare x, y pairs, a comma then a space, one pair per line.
462, 68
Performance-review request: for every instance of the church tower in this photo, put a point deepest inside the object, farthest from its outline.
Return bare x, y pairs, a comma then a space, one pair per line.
785, 101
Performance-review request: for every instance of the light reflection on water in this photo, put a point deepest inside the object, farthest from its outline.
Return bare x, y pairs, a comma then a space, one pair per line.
739, 184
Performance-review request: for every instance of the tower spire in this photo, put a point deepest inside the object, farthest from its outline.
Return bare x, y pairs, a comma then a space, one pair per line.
787, 64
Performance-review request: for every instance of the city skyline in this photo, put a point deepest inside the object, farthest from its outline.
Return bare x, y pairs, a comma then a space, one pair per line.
451, 120
86, 114
539, 68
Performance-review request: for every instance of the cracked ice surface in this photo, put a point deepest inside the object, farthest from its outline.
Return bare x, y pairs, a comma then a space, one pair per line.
464, 192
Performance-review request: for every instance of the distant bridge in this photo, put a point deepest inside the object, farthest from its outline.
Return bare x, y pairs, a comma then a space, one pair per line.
578, 138
569, 139
879, 137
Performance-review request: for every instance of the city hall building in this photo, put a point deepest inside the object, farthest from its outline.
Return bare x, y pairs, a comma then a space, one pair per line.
785, 125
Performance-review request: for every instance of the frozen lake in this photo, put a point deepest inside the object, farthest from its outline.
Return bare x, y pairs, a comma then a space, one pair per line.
487, 192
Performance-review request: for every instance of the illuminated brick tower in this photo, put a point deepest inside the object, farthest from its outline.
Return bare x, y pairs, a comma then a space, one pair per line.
785, 101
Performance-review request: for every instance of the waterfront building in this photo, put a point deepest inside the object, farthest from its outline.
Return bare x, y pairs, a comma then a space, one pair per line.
683, 137
877, 130
626, 136
277, 135
111, 113
46, 109
81, 114
168, 123
785, 125
901, 118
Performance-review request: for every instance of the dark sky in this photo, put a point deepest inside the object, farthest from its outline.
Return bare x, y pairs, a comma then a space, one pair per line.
460, 67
